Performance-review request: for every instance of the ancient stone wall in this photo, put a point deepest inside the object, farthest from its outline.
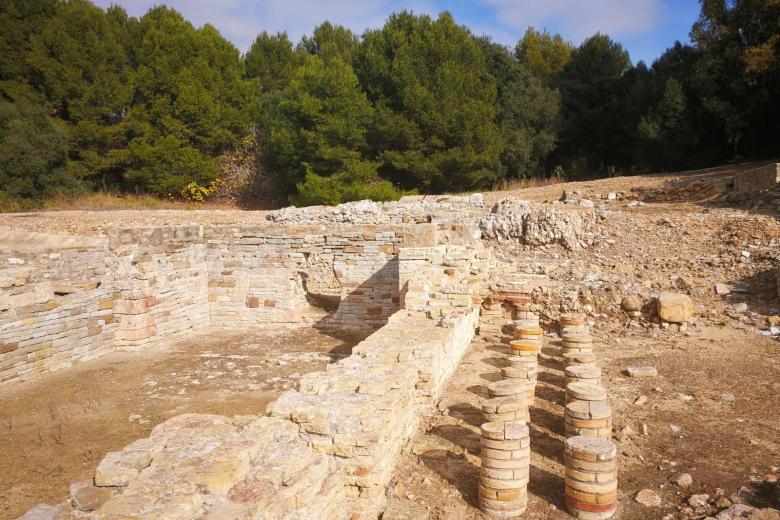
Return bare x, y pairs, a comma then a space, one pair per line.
53, 309
63, 299
326, 449
761, 178
159, 277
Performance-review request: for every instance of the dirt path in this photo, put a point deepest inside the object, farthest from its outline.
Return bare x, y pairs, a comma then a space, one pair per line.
720, 442
57, 427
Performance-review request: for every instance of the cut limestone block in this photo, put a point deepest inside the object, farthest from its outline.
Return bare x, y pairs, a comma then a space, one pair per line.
674, 307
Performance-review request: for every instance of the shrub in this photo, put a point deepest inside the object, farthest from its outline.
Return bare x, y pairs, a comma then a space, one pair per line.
357, 181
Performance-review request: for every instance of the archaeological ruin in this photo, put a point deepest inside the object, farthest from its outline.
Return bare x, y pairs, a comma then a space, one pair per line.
420, 280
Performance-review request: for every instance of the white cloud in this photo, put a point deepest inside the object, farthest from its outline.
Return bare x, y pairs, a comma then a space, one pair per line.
241, 20
578, 19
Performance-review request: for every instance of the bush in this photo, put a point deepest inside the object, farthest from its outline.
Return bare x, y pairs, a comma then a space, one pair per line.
33, 155
357, 181
166, 166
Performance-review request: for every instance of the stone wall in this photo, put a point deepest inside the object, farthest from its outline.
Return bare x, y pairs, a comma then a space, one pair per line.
761, 178
53, 309
64, 299
326, 449
159, 277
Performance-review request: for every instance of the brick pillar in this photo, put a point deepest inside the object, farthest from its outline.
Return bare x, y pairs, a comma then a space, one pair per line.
591, 477
503, 477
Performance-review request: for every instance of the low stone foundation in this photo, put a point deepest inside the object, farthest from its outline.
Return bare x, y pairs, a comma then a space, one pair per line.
327, 449
762, 178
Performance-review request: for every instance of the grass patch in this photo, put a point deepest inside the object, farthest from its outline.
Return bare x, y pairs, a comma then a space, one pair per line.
103, 201
531, 182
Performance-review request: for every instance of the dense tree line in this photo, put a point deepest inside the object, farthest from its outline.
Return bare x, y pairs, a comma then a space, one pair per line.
94, 99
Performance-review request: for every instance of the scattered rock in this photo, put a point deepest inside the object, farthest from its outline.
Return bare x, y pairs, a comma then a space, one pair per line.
698, 500
625, 433
674, 307
721, 289
42, 512
631, 304
722, 503
683, 480
648, 498
739, 511
741, 307
641, 371
639, 401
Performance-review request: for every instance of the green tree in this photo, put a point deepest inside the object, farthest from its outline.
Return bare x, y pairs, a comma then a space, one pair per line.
188, 93
543, 54
436, 104
21, 22
81, 66
527, 115
329, 41
272, 60
357, 180
592, 91
33, 154
318, 124
739, 70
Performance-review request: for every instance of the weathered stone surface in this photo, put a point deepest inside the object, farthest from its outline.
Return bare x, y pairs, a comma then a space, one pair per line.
641, 371
648, 498
631, 304
85, 496
42, 512
328, 448
520, 221
674, 307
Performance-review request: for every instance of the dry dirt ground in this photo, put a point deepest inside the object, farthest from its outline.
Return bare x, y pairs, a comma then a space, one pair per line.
57, 427
722, 444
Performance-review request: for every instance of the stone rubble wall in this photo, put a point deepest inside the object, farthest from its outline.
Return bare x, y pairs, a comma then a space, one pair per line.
327, 449
762, 178
418, 209
517, 220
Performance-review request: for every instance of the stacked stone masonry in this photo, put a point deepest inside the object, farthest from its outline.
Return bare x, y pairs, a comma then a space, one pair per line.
325, 450
420, 279
143, 286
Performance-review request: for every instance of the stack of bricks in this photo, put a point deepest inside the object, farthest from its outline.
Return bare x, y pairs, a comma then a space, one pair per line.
504, 473
578, 357
591, 478
587, 411
577, 343
508, 401
588, 419
522, 368
524, 362
583, 373
572, 323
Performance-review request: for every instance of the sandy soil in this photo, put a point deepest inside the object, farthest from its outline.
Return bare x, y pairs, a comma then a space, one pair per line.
57, 427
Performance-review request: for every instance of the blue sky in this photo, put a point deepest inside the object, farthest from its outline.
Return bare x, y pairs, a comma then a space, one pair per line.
644, 27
